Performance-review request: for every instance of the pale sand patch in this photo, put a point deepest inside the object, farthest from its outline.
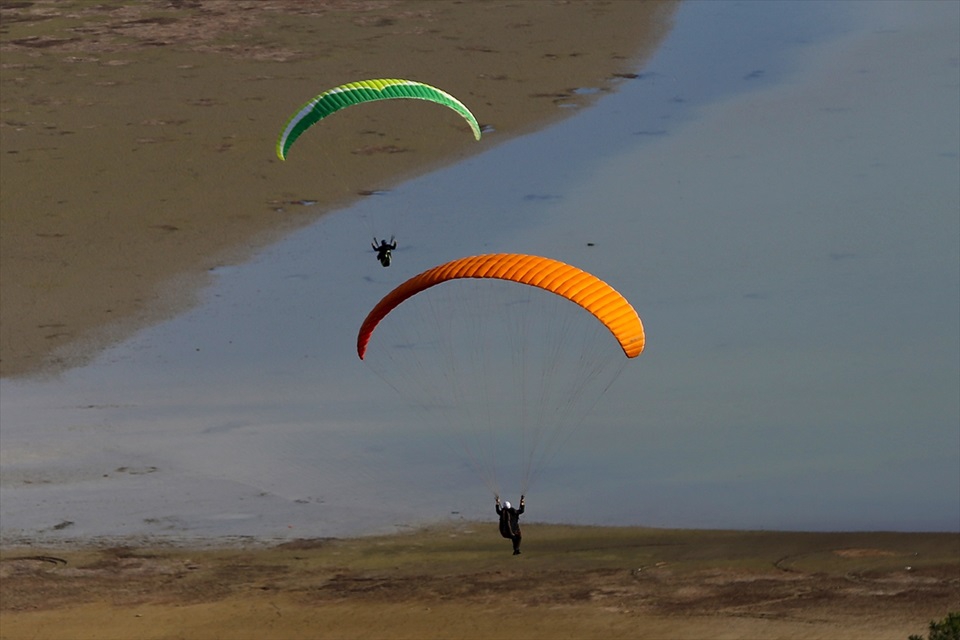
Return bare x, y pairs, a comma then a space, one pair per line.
137, 140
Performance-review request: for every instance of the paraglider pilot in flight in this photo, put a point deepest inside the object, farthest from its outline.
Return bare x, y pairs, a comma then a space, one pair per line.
510, 523
384, 249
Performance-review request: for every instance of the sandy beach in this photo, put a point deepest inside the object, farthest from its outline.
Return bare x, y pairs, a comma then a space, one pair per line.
137, 155
458, 581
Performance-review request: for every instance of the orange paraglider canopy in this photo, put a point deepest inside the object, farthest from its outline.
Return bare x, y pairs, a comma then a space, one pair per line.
576, 285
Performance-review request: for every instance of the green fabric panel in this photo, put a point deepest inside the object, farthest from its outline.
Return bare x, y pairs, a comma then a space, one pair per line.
353, 93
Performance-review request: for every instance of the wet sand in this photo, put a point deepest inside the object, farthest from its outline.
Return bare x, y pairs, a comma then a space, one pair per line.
460, 581
138, 139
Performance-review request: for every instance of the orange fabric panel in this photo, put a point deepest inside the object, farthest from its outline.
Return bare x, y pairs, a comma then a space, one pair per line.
574, 284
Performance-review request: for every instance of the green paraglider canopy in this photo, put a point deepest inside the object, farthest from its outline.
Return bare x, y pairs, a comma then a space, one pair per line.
353, 93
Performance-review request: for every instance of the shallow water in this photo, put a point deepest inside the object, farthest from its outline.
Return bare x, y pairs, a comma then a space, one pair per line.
776, 194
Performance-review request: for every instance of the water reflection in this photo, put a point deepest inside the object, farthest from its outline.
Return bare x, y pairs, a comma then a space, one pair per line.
770, 193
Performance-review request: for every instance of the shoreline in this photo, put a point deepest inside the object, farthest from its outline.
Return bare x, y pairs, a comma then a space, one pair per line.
182, 541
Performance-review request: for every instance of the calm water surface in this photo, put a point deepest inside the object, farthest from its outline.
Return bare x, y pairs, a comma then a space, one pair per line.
777, 194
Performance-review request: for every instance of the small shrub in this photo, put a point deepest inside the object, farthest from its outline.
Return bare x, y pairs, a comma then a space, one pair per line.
946, 629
